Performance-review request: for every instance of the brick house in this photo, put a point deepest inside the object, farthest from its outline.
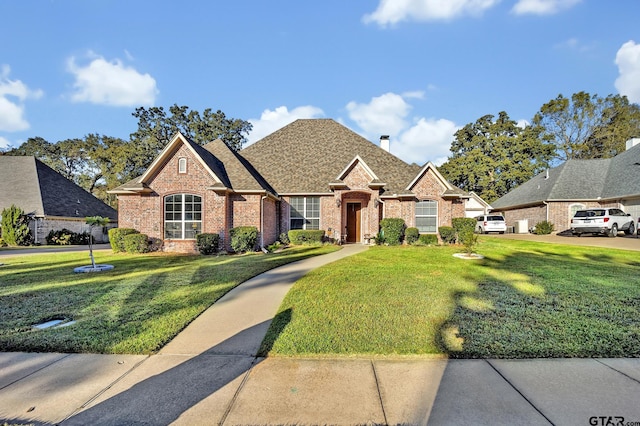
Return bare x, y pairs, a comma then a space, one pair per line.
556, 194
53, 201
311, 174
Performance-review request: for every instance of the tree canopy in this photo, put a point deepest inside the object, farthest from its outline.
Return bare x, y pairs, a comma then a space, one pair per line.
491, 157
587, 126
99, 163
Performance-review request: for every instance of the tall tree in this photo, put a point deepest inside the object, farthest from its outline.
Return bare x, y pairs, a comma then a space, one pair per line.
156, 128
491, 157
588, 126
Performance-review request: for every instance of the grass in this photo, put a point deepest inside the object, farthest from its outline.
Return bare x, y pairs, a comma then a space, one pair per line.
135, 308
523, 300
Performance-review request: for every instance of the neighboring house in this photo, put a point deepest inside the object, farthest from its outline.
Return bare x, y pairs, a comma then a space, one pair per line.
311, 174
476, 206
557, 193
52, 200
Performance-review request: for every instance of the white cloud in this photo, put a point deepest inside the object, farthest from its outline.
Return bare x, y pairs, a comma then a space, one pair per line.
13, 93
270, 121
542, 7
111, 83
428, 140
383, 115
394, 11
628, 62
4, 143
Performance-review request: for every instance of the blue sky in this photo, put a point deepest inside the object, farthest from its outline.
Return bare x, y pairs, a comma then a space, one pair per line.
416, 70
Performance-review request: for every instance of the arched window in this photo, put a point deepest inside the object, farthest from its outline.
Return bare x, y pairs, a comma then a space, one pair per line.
182, 165
573, 208
182, 216
427, 216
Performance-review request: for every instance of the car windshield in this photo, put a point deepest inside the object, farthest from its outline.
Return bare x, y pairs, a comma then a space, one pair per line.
589, 213
495, 218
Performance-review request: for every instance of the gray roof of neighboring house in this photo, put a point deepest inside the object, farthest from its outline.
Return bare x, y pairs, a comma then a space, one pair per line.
309, 154
36, 188
577, 180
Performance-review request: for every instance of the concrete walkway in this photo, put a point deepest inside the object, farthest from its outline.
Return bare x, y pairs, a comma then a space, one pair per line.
209, 374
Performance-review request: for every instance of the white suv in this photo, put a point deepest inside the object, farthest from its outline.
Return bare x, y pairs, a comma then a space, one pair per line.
605, 221
491, 223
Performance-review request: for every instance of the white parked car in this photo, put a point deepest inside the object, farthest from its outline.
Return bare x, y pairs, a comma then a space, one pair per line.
491, 223
607, 221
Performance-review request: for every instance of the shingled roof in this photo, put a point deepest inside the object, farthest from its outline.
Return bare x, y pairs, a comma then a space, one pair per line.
307, 155
580, 180
36, 188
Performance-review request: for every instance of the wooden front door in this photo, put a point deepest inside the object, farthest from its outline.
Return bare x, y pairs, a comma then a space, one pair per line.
353, 222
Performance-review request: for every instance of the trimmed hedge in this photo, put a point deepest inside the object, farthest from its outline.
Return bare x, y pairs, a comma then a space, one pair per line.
392, 230
244, 238
428, 239
411, 235
447, 234
208, 243
306, 236
116, 238
136, 243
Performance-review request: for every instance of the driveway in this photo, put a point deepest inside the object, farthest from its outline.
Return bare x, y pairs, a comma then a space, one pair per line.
626, 242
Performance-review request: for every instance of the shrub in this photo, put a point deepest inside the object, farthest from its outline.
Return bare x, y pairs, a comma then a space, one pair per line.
208, 243
116, 238
544, 228
392, 230
2, 243
136, 243
15, 227
427, 239
244, 238
63, 237
284, 238
411, 235
306, 237
447, 234
468, 238
462, 224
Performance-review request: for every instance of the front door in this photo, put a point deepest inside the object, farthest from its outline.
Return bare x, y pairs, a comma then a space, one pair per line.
353, 222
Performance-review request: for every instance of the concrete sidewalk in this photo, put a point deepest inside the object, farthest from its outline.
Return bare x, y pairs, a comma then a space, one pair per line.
209, 374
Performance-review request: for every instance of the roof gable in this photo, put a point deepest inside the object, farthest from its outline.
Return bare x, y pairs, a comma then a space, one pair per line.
430, 167
169, 150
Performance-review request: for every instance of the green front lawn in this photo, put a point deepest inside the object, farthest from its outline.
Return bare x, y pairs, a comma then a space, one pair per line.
524, 300
135, 308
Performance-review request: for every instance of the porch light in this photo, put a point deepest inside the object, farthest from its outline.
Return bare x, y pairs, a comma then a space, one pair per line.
338, 202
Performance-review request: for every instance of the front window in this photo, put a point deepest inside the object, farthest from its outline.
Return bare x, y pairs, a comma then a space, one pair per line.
182, 216
573, 208
305, 213
427, 216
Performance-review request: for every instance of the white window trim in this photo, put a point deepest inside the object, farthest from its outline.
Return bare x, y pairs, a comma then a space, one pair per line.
416, 216
182, 165
305, 217
181, 221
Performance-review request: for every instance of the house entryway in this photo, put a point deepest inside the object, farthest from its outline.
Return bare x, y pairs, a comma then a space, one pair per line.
354, 214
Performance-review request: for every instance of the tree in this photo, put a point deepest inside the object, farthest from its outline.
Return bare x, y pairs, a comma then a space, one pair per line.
15, 227
156, 128
588, 126
493, 157
94, 221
